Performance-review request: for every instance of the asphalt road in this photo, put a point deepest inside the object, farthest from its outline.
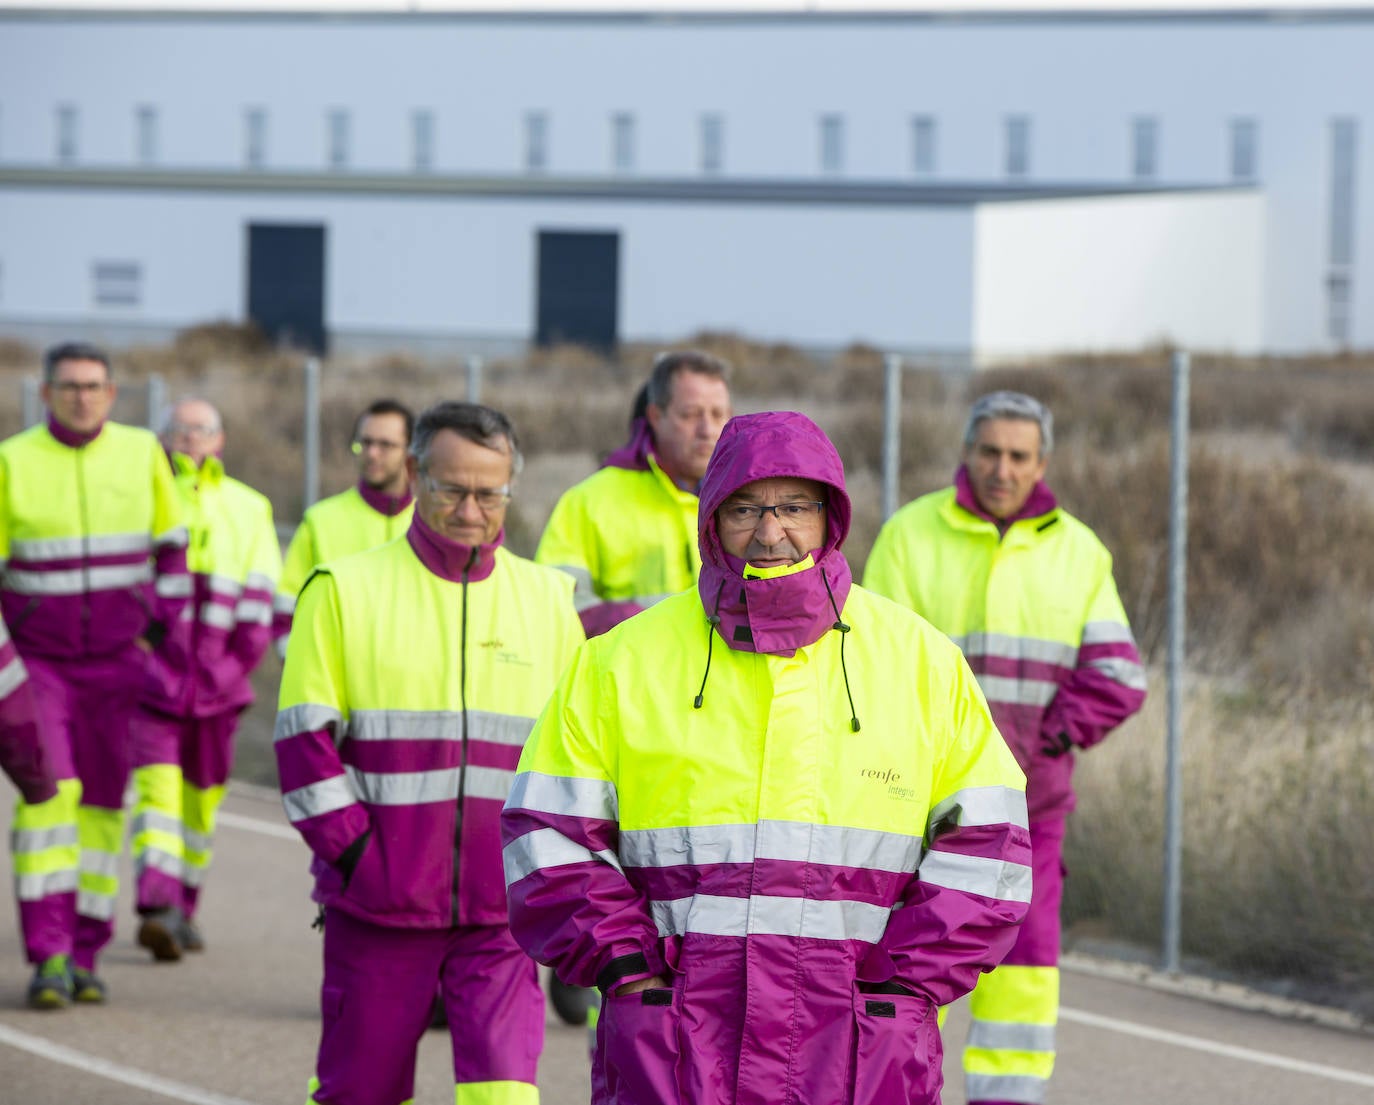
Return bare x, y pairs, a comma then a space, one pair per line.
237, 1025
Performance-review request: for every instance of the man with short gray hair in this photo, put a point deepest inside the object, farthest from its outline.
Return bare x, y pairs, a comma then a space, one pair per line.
184, 733
1026, 590
415, 672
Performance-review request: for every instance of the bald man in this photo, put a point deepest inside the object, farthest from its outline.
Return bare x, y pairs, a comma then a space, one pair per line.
184, 736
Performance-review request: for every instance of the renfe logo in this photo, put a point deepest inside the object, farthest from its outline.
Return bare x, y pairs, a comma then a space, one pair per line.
882, 775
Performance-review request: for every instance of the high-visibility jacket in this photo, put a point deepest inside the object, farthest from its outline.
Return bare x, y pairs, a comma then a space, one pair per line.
1036, 613
765, 858
335, 527
91, 542
402, 689
235, 561
23, 756
625, 535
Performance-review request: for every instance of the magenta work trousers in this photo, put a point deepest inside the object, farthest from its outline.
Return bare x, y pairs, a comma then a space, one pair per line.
379, 986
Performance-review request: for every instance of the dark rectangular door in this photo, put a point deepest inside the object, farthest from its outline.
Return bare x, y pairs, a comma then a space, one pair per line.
579, 288
286, 283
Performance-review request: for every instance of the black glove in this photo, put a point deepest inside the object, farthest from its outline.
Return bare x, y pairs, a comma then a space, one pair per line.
1055, 745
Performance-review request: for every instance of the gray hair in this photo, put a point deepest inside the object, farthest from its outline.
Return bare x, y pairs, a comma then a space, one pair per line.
1011, 404
169, 414
668, 366
483, 425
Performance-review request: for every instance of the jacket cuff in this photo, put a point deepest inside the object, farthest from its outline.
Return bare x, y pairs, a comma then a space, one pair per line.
624, 968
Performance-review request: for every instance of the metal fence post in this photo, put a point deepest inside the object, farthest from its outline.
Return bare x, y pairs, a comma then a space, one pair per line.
892, 422
474, 368
1178, 586
311, 444
30, 403
157, 401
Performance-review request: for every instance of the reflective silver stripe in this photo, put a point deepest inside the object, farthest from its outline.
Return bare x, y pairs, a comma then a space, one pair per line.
565, 796
154, 821
1107, 633
325, 796
1119, 670
162, 861
196, 842
1019, 692
283, 603
101, 907
372, 725
75, 581
982, 806
224, 585
412, 788
65, 548
95, 862
405, 788
253, 612
649, 600
795, 841
1005, 1087
990, 878
584, 595
12, 676
217, 616
4, 633
174, 586
34, 888
1006, 1036
765, 915
31, 841
308, 717
545, 848
178, 537
259, 581
192, 874
1007, 647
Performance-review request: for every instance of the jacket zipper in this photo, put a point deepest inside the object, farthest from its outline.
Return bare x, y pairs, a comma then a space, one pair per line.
463, 748
85, 552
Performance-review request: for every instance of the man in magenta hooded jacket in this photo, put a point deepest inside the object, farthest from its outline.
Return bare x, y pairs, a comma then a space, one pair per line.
770, 818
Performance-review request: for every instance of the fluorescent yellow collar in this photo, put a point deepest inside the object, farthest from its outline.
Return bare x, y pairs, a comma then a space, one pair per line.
751, 572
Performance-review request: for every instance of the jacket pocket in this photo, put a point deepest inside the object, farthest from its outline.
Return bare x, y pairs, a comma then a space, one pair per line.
897, 1050
637, 1049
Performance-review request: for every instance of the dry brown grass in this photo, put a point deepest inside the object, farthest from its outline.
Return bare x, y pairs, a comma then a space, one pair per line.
1280, 771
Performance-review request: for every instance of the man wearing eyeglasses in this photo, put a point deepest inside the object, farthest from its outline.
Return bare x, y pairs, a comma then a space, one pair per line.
184, 734
1026, 590
627, 533
770, 818
375, 510
415, 672
94, 559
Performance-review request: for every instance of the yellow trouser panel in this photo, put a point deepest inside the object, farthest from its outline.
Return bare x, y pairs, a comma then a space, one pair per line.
198, 809
43, 837
495, 1093
157, 818
1011, 1047
101, 834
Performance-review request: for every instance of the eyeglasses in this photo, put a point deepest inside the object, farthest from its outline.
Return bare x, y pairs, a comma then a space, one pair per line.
188, 429
365, 443
487, 499
80, 387
742, 516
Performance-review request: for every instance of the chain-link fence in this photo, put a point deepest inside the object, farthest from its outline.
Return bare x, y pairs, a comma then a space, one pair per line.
1277, 782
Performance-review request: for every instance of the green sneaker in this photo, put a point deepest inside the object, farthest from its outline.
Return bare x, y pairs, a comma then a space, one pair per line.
87, 987
51, 987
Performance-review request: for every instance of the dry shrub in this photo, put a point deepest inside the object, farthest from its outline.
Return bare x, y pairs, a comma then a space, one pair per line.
1273, 892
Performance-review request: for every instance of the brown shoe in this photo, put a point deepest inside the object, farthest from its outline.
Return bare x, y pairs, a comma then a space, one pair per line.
158, 934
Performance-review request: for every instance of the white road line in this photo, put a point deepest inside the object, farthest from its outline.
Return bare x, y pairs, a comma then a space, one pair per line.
91, 1064
257, 825
1245, 1054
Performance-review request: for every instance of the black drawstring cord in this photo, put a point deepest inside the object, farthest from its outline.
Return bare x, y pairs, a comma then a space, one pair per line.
844, 629
712, 621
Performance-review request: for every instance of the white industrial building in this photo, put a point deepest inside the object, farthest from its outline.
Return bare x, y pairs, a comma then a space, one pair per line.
959, 178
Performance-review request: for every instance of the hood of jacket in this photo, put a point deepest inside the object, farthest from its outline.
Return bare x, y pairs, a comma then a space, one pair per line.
773, 611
